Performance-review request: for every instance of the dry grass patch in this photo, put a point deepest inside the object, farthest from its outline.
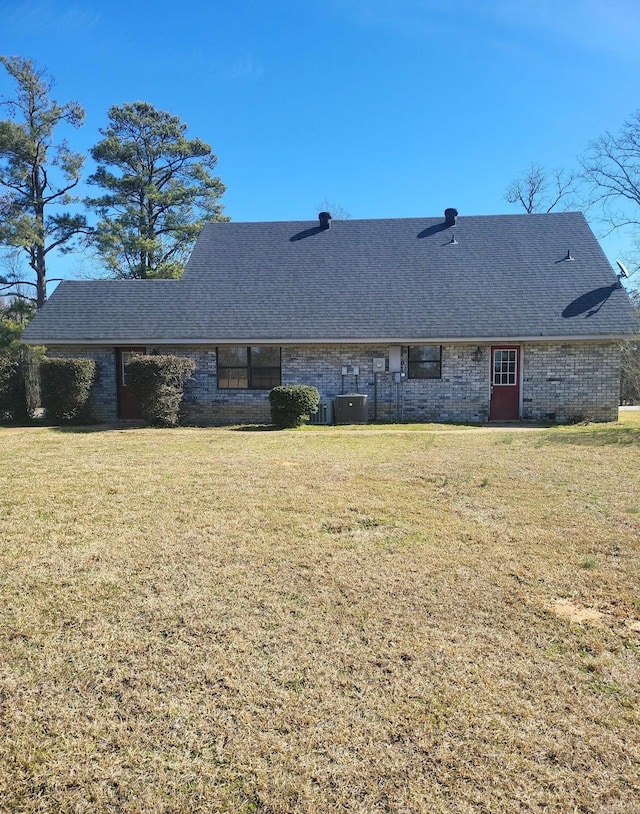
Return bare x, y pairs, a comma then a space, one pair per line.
210, 620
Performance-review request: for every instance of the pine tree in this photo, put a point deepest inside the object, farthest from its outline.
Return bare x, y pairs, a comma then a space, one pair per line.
37, 175
160, 190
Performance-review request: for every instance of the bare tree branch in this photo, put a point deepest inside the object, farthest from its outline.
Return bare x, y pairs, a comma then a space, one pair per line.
611, 168
18, 282
540, 190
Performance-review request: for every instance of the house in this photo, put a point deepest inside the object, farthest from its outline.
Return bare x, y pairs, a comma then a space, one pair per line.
434, 319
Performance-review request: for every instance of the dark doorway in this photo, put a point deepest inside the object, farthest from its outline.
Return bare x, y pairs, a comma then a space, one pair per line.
128, 405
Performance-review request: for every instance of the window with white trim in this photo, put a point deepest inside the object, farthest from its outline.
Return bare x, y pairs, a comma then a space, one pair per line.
505, 366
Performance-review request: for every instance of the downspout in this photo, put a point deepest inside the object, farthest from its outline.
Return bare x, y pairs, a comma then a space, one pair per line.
375, 396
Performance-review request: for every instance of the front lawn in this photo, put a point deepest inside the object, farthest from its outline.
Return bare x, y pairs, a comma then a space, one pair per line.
327, 620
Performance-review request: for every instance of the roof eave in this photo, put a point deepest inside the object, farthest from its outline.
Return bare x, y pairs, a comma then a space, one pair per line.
386, 340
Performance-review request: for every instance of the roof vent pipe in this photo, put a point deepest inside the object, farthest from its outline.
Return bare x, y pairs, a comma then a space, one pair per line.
450, 216
325, 220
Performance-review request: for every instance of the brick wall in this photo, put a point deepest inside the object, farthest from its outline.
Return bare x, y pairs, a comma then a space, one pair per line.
462, 394
571, 381
561, 381
204, 404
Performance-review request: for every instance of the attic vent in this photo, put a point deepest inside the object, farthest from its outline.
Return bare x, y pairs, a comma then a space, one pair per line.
450, 216
325, 220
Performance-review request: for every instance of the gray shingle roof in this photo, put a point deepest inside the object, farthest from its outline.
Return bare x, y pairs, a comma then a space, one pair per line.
392, 280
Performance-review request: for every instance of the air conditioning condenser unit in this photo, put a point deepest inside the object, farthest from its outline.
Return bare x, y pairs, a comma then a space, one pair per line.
324, 414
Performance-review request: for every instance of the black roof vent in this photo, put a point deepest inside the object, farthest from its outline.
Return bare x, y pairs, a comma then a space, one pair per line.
450, 216
325, 220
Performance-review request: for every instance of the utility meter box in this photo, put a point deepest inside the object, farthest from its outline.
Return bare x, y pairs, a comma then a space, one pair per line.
395, 359
350, 409
379, 365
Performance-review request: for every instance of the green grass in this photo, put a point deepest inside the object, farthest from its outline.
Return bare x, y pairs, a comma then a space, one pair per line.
379, 619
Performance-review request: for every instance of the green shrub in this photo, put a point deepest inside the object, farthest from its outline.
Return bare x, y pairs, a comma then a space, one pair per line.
65, 387
30, 361
19, 382
292, 404
9, 388
158, 384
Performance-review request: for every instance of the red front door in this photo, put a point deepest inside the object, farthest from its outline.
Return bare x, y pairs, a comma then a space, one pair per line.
128, 406
505, 383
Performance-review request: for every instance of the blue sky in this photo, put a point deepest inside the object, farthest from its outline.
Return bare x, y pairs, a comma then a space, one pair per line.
386, 108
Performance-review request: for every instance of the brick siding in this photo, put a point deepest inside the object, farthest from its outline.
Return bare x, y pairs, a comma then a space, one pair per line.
571, 381
561, 381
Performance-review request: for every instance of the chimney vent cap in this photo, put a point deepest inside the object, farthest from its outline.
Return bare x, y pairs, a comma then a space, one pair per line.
450, 216
325, 220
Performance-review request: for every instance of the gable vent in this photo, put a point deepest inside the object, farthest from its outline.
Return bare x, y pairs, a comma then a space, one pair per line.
450, 216
325, 220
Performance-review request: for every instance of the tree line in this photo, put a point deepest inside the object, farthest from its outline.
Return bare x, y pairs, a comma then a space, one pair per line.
155, 187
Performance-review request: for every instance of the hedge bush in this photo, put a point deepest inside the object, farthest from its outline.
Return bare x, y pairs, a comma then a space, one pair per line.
11, 394
292, 404
158, 384
19, 381
65, 387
